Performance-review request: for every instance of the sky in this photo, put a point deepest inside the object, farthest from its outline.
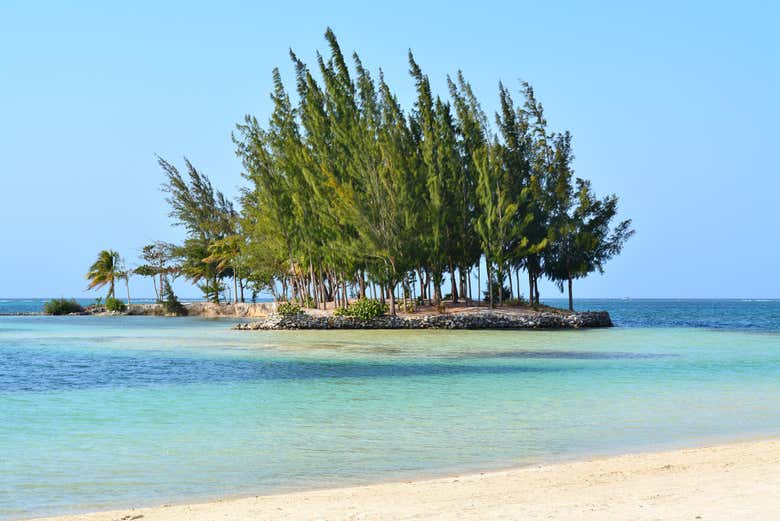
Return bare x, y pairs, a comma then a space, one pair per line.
673, 106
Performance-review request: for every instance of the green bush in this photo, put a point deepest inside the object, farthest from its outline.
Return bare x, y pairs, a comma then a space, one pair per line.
114, 304
288, 309
363, 309
61, 306
171, 304
341, 311
520, 301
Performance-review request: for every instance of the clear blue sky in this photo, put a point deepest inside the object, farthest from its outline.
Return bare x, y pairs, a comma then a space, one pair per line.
673, 107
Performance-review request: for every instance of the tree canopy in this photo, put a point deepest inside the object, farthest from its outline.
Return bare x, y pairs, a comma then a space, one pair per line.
349, 194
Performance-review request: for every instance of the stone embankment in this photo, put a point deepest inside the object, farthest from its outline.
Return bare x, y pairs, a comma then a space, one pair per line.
197, 309
480, 320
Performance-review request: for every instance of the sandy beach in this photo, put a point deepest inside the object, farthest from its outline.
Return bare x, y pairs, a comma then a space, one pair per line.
737, 481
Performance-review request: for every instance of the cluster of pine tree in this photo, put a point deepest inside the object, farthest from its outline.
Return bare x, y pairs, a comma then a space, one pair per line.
350, 194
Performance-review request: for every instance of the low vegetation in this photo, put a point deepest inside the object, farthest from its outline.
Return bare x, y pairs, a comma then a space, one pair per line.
289, 309
363, 309
171, 304
114, 304
61, 306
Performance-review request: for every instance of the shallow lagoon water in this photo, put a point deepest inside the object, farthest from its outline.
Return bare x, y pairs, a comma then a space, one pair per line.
100, 412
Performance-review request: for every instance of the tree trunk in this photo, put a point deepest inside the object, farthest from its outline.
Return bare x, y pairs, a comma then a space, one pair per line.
235, 286
489, 281
362, 284
391, 287
479, 282
437, 278
530, 286
511, 287
536, 289
454, 284
500, 280
423, 283
322, 287
571, 300
313, 286
127, 287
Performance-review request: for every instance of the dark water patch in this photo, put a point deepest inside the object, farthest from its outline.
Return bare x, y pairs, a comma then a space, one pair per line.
44, 370
569, 355
716, 314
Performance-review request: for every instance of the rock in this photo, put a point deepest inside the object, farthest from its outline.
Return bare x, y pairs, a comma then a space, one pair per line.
482, 320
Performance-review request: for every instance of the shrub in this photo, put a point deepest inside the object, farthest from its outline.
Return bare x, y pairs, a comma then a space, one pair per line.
288, 309
114, 304
520, 301
341, 311
171, 304
363, 309
61, 306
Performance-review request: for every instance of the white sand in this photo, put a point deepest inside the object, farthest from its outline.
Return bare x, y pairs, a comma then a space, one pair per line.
734, 482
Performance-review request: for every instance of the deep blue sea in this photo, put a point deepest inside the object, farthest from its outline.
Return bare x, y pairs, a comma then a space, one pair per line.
101, 412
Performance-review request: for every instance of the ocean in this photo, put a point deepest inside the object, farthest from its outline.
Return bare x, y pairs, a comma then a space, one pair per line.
103, 412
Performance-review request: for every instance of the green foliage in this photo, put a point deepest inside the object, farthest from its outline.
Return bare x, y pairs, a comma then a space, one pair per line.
342, 311
209, 219
516, 302
106, 269
346, 186
363, 309
495, 287
288, 309
158, 260
114, 304
61, 306
171, 304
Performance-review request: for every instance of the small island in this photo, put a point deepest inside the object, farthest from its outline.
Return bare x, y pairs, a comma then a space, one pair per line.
353, 200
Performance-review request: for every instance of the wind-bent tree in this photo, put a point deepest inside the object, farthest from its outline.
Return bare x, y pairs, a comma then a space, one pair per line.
158, 257
106, 269
350, 195
582, 236
207, 216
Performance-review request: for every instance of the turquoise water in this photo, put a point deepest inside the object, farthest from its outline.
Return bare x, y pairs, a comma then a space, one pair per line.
100, 412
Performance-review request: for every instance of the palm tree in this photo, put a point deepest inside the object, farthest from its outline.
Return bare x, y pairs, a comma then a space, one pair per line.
105, 270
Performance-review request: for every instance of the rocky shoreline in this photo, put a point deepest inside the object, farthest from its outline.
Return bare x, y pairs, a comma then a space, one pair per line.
194, 309
480, 320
